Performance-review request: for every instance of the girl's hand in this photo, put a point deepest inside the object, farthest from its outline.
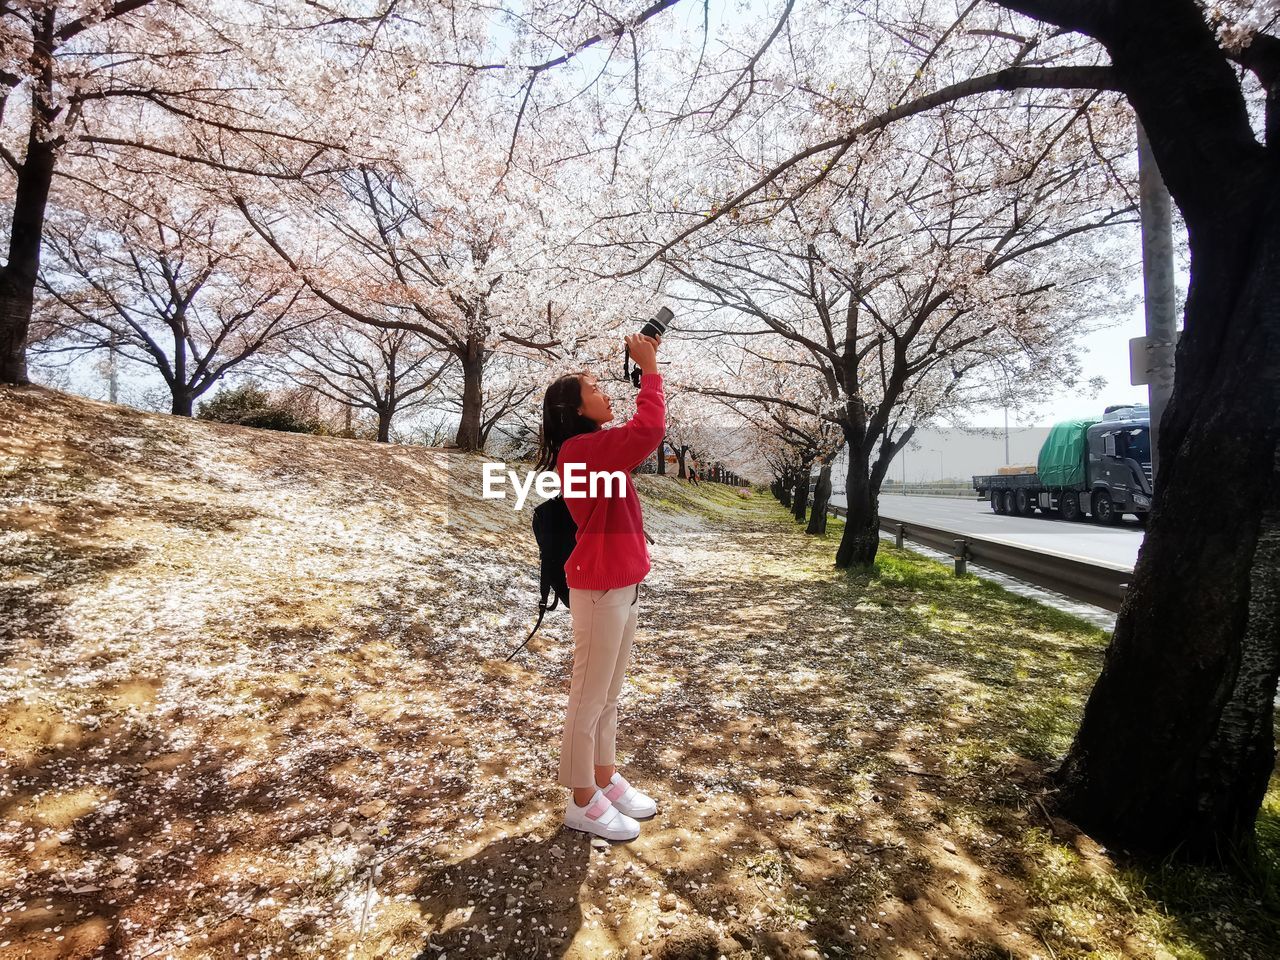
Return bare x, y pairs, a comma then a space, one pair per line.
644, 351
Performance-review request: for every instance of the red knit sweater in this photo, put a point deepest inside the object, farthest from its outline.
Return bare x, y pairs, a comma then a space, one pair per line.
611, 549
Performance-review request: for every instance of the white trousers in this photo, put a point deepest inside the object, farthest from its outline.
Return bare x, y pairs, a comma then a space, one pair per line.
604, 625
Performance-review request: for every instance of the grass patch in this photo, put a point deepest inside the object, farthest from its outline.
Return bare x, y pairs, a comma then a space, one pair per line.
1006, 679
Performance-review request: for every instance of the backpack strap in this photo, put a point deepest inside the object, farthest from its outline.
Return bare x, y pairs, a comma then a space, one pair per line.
545, 587
542, 609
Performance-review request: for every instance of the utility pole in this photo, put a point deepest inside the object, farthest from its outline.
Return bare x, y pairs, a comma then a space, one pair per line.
1151, 358
1006, 435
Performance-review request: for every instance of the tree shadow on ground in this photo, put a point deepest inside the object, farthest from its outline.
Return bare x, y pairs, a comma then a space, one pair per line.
524, 887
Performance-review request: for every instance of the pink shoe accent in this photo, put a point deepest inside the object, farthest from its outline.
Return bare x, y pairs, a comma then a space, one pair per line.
597, 809
616, 789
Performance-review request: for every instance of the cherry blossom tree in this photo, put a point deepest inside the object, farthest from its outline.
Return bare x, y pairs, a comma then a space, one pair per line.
930, 263
362, 368
89, 87
184, 292
454, 254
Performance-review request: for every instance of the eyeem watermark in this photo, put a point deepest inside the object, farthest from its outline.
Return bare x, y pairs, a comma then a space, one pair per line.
578, 482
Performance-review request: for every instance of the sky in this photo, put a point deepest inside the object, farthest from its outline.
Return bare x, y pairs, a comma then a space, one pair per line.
1103, 353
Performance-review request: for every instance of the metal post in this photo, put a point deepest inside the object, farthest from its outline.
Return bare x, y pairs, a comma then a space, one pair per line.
1006, 436
961, 557
901, 535
1158, 287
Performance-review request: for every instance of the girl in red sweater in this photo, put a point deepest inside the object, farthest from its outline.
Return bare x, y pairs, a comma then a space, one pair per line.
604, 573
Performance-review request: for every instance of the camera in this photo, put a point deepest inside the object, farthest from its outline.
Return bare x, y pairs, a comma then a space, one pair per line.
657, 327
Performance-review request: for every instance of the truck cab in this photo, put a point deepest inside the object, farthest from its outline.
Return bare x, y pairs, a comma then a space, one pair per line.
1118, 464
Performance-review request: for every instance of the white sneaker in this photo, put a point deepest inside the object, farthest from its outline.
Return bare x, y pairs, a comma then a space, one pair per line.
601, 818
628, 799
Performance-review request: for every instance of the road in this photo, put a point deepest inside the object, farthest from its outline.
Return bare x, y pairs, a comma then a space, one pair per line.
1085, 540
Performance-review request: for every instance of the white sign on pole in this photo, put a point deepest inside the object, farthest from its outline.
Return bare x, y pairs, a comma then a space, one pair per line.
1139, 362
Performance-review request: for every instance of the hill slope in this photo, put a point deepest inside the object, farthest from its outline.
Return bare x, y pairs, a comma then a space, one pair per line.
263, 631
105, 505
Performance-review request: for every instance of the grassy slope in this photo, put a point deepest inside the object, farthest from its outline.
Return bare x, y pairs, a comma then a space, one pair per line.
239, 667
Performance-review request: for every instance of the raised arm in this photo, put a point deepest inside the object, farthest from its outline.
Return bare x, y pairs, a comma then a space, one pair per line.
624, 447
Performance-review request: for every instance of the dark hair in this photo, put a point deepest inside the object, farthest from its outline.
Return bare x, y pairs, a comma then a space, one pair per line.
561, 419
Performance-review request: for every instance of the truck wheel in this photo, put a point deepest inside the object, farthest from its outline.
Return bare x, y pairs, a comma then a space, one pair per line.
1026, 506
1010, 503
997, 502
1104, 509
1069, 505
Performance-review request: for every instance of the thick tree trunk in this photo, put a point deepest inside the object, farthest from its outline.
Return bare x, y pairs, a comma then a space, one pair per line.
183, 403
1176, 746
662, 458
788, 485
384, 425
18, 276
861, 539
681, 452
472, 397
821, 497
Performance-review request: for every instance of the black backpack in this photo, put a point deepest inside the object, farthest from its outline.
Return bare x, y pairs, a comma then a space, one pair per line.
557, 534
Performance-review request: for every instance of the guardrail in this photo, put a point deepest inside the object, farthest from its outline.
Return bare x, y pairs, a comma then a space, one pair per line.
1096, 583
956, 491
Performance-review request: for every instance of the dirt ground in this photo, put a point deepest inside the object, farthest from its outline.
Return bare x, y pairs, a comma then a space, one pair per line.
254, 702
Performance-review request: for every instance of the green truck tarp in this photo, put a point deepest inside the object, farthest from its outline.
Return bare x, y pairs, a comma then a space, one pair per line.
1062, 456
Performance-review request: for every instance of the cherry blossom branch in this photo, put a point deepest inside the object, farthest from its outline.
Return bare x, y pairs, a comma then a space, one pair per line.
1091, 78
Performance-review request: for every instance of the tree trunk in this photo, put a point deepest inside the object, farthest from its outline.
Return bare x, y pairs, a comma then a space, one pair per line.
861, 539
801, 499
821, 497
178, 386
680, 455
662, 458
384, 425
788, 484
1177, 746
18, 276
472, 397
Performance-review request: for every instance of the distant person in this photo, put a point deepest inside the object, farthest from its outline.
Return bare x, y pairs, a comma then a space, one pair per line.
603, 573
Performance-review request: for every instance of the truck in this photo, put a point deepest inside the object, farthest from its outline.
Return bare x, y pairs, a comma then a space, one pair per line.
1095, 468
